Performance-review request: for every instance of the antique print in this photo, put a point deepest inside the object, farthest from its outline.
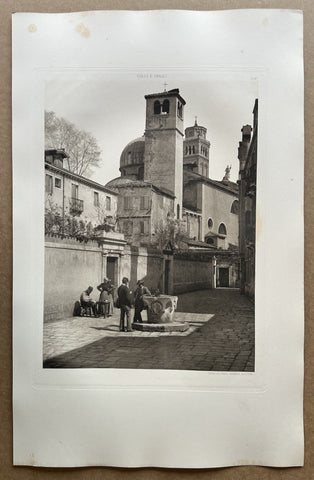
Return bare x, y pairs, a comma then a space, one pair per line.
158, 238
151, 265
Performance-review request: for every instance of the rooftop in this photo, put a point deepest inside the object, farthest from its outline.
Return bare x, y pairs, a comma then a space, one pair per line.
226, 185
79, 178
167, 93
125, 182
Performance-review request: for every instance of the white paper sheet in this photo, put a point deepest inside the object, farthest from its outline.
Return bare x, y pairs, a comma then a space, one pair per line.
165, 418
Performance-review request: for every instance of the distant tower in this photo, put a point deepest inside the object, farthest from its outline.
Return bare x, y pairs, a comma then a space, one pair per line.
196, 149
163, 156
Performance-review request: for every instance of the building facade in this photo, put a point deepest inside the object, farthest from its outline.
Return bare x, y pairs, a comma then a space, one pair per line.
247, 155
165, 175
75, 196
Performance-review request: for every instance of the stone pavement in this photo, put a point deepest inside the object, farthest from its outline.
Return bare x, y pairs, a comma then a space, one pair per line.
220, 338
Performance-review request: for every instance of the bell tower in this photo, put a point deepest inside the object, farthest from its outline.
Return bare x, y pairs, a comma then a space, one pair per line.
196, 149
163, 157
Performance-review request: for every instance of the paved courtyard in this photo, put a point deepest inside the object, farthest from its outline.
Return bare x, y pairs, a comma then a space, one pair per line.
220, 338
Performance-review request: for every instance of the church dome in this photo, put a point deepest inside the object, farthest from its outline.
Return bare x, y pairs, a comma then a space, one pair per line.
133, 153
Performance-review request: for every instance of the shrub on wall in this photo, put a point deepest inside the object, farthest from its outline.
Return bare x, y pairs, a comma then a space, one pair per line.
66, 225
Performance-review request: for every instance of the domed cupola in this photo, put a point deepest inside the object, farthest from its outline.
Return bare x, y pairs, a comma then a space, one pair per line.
132, 159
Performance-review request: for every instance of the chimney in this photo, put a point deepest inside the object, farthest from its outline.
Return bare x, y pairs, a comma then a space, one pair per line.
244, 144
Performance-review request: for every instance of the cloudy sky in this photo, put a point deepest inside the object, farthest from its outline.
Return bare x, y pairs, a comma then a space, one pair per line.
111, 106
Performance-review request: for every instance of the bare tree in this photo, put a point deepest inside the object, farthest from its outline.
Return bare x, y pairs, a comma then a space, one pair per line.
81, 146
170, 231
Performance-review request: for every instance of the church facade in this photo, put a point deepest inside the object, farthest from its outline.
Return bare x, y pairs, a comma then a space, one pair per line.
165, 179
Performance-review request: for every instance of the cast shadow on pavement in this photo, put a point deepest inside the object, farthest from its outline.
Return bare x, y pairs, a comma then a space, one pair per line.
110, 328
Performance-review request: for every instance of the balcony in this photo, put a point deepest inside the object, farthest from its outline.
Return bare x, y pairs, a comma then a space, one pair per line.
76, 206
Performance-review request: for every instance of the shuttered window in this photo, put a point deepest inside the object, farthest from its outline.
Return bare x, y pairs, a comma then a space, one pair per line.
48, 184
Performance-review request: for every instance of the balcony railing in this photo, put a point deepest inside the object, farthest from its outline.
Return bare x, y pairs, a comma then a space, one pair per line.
76, 206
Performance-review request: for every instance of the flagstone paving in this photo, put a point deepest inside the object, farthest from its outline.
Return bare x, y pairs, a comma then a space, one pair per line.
220, 338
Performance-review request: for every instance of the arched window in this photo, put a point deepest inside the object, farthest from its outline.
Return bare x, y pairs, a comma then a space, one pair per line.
235, 207
178, 211
210, 223
157, 108
129, 158
193, 149
165, 106
190, 151
222, 229
186, 150
180, 109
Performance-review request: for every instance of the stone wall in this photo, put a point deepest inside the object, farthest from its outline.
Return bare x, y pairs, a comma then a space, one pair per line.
191, 271
142, 263
70, 267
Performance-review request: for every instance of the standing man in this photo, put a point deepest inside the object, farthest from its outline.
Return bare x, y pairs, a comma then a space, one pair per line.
125, 305
139, 293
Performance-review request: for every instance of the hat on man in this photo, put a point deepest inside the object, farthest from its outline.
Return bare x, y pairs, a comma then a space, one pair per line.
140, 282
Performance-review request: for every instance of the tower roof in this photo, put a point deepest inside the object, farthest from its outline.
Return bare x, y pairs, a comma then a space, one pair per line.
170, 93
196, 131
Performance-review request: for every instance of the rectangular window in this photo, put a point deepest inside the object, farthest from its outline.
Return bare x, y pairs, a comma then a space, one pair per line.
143, 227
74, 191
127, 203
96, 199
144, 203
108, 203
48, 184
58, 182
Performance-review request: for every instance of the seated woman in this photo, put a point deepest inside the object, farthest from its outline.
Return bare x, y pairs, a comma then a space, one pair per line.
105, 297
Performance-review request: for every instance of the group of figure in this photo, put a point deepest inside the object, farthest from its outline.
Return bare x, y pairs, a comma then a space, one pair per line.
105, 304
126, 301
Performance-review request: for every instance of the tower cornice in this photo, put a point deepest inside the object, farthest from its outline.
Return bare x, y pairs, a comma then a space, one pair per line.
163, 130
170, 93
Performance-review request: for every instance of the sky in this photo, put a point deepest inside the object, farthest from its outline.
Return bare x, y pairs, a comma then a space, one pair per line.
111, 106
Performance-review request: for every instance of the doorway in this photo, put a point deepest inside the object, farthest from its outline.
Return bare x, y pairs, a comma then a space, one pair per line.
112, 270
223, 277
